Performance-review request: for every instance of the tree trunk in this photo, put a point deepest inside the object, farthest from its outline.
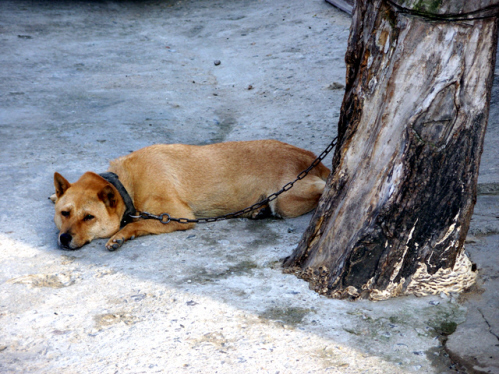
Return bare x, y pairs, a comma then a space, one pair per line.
397, 207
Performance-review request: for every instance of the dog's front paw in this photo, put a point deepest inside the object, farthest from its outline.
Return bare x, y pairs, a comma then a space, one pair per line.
117, 241
114, 243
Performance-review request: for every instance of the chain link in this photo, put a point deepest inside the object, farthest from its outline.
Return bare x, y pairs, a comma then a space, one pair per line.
165, 218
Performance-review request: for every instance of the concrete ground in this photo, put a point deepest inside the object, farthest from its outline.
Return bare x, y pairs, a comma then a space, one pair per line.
83, 82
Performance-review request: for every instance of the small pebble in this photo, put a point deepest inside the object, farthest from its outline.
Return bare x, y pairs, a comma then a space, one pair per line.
336, 86
217, 62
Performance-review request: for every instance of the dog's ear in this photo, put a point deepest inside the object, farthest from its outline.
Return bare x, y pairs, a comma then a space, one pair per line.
60, 184
108, 196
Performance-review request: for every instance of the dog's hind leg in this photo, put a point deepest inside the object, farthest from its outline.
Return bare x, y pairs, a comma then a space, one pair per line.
262, 212
301, 199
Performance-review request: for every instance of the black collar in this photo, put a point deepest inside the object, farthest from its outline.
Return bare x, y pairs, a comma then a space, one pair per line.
130, 208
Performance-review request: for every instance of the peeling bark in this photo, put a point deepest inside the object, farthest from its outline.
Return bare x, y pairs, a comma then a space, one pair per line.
397, 207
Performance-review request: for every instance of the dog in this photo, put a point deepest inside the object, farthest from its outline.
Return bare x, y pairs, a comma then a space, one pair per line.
185, 181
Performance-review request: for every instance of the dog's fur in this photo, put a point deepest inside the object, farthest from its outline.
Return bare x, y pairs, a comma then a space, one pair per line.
185, 181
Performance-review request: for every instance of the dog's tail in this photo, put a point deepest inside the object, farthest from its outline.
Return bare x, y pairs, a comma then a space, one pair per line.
323, 171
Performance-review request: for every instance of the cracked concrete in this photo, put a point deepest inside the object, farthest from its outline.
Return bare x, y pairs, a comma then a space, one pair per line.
85, 82
476, 341
491, 328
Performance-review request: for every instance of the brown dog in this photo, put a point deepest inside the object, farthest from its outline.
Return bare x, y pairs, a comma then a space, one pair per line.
184, 181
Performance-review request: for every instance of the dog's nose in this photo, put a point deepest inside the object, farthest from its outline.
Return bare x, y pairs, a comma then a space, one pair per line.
65, 239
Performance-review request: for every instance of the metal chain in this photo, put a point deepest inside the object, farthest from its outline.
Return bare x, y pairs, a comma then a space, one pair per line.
478, 14
165, 218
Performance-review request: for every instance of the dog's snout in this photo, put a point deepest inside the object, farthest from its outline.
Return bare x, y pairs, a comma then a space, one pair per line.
65, 240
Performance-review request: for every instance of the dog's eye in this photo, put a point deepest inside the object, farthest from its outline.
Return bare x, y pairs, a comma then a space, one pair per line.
65, 213
88, 217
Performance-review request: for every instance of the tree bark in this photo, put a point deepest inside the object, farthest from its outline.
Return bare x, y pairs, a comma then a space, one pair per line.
397, 207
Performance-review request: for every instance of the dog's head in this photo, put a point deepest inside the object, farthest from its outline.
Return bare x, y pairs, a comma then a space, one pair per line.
88, 209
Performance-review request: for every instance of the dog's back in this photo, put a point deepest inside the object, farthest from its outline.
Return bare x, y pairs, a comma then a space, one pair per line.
223, 177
